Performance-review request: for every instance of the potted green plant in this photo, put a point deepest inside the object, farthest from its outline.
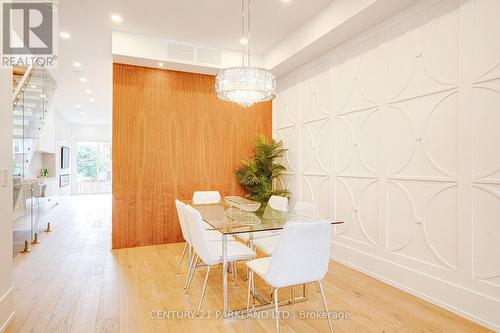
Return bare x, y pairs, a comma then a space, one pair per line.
44, 172
258, 175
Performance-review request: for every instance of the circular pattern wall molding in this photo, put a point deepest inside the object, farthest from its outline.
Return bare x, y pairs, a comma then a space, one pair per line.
401, 215
486, 133
486, 37
369, 141
486, 232
401, 55
440, 48
398, 140
440, 228
440, 133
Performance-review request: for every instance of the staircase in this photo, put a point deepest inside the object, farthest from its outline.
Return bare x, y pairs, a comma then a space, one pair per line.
33, 89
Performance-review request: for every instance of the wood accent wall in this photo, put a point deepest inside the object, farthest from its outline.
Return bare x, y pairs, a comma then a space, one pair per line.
172, 136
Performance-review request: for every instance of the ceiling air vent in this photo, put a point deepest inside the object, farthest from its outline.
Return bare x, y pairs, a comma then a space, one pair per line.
180, 52
207, 56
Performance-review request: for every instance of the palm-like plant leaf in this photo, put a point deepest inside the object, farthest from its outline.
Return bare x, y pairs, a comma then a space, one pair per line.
258, 175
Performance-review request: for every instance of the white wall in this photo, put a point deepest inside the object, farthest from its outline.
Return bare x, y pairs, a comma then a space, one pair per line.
397, 133
142, 50
63, 138
68, 134
91, 133
6, 290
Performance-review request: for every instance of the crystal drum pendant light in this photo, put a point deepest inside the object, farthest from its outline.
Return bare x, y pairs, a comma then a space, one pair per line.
245, 85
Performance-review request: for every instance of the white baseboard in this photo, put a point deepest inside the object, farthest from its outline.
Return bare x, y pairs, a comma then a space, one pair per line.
6, 309
452, 297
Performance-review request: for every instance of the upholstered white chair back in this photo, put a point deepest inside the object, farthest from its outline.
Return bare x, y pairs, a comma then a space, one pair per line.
306, 209
206, 197
278, 203
181, 212
302, 254
198, 236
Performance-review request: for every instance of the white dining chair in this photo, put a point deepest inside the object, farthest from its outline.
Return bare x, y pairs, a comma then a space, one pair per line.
257, 235
210, 253
268, 244
301, 256
185, 233
211, 235
206, 197
277, 202
306, 209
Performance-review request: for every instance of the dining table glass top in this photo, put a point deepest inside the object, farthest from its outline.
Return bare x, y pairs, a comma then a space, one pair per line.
231, 220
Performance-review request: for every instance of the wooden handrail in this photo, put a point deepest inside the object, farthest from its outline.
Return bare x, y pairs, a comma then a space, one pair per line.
22, 83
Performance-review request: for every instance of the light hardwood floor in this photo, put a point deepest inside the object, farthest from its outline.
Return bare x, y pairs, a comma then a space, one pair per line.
73, 282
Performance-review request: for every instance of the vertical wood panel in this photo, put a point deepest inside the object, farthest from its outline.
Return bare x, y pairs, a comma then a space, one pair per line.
172, 136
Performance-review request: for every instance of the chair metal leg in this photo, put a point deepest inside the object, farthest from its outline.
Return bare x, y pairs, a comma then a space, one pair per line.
326, 308
249, 290
193, 270
235, 273
182, 258
247, 274
253, 287
276, 310
203, 290
189, 270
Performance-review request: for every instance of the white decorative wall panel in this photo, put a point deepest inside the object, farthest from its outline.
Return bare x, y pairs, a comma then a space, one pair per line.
398, 134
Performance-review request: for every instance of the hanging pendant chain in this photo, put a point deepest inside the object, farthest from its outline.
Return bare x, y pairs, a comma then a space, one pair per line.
243, 35
248, 33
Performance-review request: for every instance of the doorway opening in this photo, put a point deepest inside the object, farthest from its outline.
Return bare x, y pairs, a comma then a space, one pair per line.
93, 167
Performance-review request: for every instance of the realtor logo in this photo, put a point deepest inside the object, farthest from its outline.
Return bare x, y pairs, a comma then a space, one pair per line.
28, 34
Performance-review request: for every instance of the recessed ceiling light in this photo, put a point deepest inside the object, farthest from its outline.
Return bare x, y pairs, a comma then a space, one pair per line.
77, 64
33, 86
243, 41
160, 64
65, 35
77, 106
82, 112
116, 18
286, 1
88, 91
82, 79
42, 96
91, 100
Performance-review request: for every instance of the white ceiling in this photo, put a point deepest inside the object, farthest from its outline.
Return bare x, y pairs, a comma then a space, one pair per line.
208, 22
216, 23
90, 28
282, 29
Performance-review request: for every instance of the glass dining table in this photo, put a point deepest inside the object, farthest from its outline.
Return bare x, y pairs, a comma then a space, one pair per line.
231, 221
